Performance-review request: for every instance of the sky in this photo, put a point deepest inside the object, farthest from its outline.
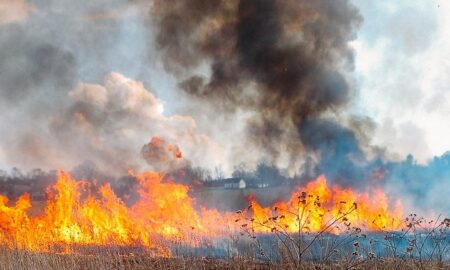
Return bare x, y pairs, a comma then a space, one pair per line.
55, 52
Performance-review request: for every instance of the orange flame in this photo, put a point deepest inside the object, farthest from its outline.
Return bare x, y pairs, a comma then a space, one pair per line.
317, 207
76, 216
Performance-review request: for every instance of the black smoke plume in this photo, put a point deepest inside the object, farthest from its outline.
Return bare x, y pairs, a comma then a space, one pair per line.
285, 61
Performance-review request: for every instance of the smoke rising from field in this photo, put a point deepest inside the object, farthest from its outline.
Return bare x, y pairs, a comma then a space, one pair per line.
62, 104
249, 81
108, 124
285, 61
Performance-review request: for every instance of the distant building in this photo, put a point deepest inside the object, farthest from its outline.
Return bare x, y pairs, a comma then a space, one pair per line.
234, 183
237, 183
261, 185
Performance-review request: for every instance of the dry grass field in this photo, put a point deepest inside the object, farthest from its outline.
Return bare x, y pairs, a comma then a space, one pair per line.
13, 260
301, 234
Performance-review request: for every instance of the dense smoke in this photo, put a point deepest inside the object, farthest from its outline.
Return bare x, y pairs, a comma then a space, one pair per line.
285, 61
70, 93
108, 124
262, 82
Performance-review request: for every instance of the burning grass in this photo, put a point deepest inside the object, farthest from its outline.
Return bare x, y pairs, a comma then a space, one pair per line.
84, 226
78, 212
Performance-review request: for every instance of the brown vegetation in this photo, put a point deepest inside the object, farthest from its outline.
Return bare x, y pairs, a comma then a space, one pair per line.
13, 259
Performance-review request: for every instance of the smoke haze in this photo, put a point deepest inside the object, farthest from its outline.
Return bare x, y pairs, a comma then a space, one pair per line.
227, 83
283, 61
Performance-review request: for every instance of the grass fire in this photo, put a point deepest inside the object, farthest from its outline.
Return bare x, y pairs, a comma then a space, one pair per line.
84, 220
224, 134
78, 214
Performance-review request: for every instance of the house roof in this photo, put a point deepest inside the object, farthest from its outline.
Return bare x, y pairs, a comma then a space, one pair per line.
222, 182
232, 180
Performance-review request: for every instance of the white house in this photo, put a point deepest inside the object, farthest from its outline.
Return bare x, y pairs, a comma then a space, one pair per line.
234, 183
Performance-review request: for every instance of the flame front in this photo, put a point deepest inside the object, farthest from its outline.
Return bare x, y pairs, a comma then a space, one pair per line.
76, 216
164, 210
317, 207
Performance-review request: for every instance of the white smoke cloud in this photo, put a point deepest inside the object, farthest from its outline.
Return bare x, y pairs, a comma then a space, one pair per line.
402, 62
108, 124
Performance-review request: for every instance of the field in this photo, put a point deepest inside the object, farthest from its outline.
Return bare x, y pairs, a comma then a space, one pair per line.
352, 250
163, 230
24, 260
235, 199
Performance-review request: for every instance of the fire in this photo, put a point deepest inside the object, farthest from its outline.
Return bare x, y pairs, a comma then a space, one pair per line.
318, 207
157, 148
72, 217
78, 215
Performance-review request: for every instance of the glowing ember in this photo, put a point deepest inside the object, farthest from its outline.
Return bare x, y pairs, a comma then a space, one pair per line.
76, 216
